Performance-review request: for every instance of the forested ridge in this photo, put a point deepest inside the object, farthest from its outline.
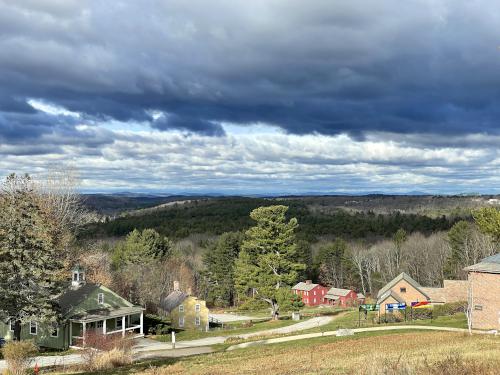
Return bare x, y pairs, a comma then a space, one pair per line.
218, 215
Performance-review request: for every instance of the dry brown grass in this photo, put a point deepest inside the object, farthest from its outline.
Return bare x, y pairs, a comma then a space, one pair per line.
397, 354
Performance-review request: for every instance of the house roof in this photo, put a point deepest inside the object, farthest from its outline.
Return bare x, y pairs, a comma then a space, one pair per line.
338, 292
71, 298
402, 276
92, 315
436, 295
490, 264
305, 286
173, 300
387, 294
360, 295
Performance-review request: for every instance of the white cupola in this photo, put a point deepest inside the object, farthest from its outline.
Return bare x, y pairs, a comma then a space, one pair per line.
77, 276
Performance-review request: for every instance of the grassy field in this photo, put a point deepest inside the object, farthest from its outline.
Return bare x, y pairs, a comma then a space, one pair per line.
235, 328
391, 353
349, 319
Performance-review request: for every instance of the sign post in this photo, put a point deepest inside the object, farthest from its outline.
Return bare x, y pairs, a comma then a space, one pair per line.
173, 339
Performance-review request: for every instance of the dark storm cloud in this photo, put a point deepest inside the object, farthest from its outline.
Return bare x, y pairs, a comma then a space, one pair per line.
321, 66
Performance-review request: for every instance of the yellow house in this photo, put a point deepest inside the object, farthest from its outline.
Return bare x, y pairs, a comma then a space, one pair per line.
186, 311
402, 289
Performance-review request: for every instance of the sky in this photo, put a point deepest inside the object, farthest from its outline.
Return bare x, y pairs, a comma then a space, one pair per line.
253, 97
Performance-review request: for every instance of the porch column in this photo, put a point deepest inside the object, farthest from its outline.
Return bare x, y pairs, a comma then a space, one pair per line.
84, 332
104, 327
141, 330
70, 333
123, 326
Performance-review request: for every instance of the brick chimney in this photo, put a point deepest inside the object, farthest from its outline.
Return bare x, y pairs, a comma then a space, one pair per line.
309, 282
176, 286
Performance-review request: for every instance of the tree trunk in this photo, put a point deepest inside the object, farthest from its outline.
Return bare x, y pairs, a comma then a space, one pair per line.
17, 330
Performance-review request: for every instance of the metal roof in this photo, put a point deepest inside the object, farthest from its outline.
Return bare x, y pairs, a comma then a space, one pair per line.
401, 276
305, 286
338, 292
173, 300
490, 264
71, 298
94, 315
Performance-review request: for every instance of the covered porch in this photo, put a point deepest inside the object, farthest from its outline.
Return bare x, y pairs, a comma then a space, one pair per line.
123, 321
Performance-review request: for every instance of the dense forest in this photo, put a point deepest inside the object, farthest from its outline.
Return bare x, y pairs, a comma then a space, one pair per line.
218, 215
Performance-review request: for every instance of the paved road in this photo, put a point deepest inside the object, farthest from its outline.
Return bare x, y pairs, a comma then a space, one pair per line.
154, 351
214, 340
147, 348
354, 331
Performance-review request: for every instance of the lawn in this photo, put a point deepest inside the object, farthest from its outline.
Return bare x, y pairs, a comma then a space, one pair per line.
235, 328
349, 319
402, 352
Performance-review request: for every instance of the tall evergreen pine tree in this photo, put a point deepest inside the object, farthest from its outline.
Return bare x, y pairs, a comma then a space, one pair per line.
268, 259
29, 262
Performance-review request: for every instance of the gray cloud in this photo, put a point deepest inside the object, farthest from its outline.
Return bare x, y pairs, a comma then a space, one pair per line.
409, 67
414, 85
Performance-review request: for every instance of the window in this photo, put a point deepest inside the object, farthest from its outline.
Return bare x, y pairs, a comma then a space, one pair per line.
119, 323
478, 307
314, 300
181, 308
75, 276
197, 307
402, 290
197, 321
12, 325
100, 298
33, 328
314, 292
100, 324
55, 330
181, 321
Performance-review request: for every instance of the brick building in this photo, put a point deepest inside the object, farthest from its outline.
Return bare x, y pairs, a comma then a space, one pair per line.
484, 293
312, 294
452, 291
401, 289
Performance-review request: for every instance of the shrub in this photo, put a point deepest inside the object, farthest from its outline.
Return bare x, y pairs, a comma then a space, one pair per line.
449, 309
106, 350
253, 304
394, 317
18, 355
112, 359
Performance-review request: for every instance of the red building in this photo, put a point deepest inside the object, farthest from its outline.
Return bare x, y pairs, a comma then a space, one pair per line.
341, 297
312, 294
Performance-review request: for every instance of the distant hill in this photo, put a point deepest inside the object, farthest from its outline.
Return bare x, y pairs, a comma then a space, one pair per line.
350, 217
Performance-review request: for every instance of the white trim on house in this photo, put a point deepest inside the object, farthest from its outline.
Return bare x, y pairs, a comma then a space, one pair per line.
100, 298
36, 328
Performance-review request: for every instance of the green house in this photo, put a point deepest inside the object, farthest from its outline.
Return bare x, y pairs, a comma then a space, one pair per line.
84, 307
